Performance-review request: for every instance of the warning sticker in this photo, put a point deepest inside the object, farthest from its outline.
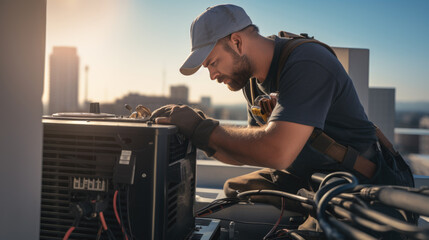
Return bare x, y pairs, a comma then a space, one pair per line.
125, 157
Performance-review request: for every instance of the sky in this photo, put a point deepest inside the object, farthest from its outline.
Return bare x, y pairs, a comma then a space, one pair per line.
138, 45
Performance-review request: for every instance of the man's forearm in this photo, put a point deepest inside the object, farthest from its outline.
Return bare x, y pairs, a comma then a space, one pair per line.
240, 146
226, 158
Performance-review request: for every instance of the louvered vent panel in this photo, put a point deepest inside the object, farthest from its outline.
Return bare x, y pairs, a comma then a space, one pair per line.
178, 151
67, 156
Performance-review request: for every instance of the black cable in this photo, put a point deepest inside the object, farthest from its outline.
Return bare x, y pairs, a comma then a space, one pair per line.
110, 234
128, 213
359, 220
277, 222
276, 193
352, 197
385, 220
100, 229
251, 223
298, 234
403, 227
349, 231
324, 188
398, 198
217, 205
322, 200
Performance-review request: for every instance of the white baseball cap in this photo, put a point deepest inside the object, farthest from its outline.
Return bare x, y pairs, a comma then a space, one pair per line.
213, 24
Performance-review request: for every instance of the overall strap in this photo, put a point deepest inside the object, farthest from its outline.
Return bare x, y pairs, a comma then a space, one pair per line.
294, 42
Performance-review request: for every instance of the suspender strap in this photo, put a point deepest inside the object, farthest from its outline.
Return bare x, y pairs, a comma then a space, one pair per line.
293, 43
385, 142
347, 156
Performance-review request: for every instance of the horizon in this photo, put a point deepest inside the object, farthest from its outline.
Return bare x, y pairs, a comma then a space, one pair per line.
133, 46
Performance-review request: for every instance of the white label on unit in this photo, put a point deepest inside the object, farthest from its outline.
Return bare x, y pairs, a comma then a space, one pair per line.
125, 157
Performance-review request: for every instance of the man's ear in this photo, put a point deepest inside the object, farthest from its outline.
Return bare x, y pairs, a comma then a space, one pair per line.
237, 42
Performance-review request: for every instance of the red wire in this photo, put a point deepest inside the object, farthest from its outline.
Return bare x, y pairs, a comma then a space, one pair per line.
68, 233
115, 197
103, 221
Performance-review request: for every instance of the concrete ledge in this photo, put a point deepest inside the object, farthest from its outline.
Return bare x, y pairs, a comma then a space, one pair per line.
213, 174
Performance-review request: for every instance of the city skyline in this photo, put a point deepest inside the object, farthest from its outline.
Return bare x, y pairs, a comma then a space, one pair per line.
134, 46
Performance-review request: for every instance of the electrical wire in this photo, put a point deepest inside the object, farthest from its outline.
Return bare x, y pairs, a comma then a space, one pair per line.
120, 214
278, 220
216, 205
276, 193
103, 221
109, 232
252, 223
100, 229
115, 197
68, 233
73, 227
128, 213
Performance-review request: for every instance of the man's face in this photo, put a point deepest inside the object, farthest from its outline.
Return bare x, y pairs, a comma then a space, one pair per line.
228, 67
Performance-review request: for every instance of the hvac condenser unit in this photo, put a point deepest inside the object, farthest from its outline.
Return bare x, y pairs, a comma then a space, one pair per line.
87, 161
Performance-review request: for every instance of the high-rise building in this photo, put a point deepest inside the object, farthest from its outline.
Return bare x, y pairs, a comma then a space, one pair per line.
381, 110
63, 80
179, 93
356, 63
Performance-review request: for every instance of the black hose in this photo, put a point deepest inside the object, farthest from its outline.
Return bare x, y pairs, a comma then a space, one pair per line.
326, 193
275, 193
349, 231
398, 198
395, 224
359, 220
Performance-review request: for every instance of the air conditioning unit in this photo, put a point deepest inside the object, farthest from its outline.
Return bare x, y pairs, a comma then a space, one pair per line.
86, 160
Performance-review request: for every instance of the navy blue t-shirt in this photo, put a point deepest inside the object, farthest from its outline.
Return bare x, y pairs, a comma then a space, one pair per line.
315, 90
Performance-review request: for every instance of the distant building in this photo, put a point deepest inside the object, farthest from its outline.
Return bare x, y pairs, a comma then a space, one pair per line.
381, 110
206, 102
424, 139
179, 93
63, 80
356, 63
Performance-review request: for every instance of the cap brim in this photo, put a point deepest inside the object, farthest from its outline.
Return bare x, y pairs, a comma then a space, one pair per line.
195, 59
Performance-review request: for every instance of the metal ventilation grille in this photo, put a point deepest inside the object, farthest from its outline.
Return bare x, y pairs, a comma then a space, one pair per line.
178, 151
178, 148
172, 196
66, 156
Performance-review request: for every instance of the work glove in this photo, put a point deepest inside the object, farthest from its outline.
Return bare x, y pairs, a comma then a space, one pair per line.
163, 111
192, 123
166, 110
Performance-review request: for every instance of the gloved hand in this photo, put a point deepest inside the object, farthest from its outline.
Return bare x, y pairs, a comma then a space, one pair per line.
163, 111
191, 123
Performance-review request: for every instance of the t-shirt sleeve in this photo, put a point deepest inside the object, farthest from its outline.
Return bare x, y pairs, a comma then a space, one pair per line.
305, 94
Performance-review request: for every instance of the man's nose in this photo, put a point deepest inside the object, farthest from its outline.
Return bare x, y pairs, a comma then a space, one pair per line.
213, 74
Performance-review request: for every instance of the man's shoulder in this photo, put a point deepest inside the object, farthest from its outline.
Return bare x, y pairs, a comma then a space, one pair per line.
314, 53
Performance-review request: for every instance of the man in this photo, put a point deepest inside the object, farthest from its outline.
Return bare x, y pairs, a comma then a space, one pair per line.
314, 92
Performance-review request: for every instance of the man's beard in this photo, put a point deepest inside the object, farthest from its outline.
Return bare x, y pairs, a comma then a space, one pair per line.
241, 72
